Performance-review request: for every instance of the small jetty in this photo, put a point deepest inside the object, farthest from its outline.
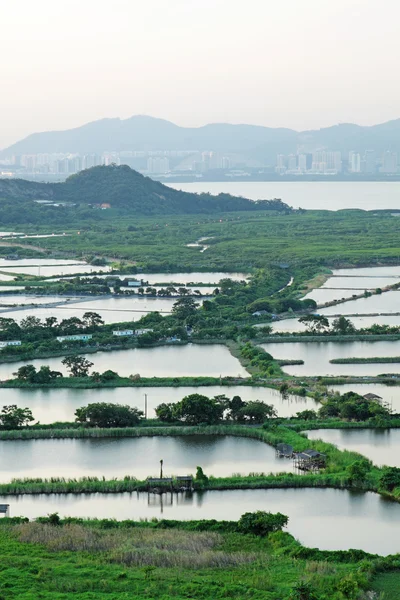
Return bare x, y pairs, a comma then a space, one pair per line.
160, 485
309, 460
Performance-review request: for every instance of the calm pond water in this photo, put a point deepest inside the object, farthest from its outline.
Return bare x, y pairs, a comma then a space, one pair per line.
320, 518
290, 325
389, 302
382, 446
347, 282
316, 195
138, 457
316, 356
51, 405
389, 393
164, 361
111, 310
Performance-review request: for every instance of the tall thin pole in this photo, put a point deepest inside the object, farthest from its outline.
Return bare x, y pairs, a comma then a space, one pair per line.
145, 406
161, 468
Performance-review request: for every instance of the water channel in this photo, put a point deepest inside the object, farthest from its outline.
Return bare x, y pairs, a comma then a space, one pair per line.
214, 360
51, 405
382, 446
320, 518
316, 356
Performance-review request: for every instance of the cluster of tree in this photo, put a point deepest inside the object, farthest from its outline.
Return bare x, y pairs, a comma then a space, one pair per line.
196, 409
13, 417
29, 374
352, 406
32, 328
320, 324
259, 358
106, 414
78, 366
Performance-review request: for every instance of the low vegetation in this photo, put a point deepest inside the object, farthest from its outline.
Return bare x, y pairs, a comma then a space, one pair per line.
253, 557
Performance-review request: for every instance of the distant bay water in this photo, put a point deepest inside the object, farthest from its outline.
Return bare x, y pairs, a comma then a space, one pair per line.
323, 195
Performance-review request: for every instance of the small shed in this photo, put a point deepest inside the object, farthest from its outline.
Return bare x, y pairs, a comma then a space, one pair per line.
5, 510
184, 482
309, 460
284, 451
159, 485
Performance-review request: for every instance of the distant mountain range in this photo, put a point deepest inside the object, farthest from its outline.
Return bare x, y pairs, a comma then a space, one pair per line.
122, 189
260, 144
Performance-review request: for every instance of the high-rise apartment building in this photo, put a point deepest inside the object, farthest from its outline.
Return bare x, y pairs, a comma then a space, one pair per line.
354, 162
389, 162
156, 164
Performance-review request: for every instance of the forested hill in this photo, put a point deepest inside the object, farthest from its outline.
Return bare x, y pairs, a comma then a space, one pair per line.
122, 189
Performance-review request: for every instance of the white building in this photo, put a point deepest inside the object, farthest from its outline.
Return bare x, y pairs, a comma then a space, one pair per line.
143, 331
123, 332
10, 343
156, 164
354, 162
74, 338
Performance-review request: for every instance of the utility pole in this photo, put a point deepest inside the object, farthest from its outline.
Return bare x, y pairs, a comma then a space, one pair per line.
145, 406
161, 468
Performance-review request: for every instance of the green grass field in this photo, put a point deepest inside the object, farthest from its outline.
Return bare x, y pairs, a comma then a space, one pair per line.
85, 562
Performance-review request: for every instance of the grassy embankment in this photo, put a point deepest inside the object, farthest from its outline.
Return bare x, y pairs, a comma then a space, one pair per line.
197, 559
368, 360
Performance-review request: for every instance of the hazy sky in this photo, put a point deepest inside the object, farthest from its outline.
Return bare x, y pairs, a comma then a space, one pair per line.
293, 63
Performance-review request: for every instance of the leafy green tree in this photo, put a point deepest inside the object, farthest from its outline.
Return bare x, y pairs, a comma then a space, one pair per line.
165, 412
45, 375
315, 323
26, 373
78, 365
184, 308
30, 322
390, 478
358, 470
201, 478
262, 523
196, 408
13, 417
108, 376
71, 325
92, 320
256, 411
235, 405
105, 414
50, 321
307, 415
342, 325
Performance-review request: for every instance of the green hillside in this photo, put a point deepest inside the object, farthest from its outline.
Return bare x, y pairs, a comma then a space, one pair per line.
127, 192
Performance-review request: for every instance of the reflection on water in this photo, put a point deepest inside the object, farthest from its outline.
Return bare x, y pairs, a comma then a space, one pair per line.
212, 360
51, 405
382, 446
320, 518
137, 457
316, 356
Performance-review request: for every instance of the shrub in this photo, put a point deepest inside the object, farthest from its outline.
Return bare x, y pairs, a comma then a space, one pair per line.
262, 523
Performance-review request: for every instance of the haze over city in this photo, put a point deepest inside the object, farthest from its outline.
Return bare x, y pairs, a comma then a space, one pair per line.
299, 65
